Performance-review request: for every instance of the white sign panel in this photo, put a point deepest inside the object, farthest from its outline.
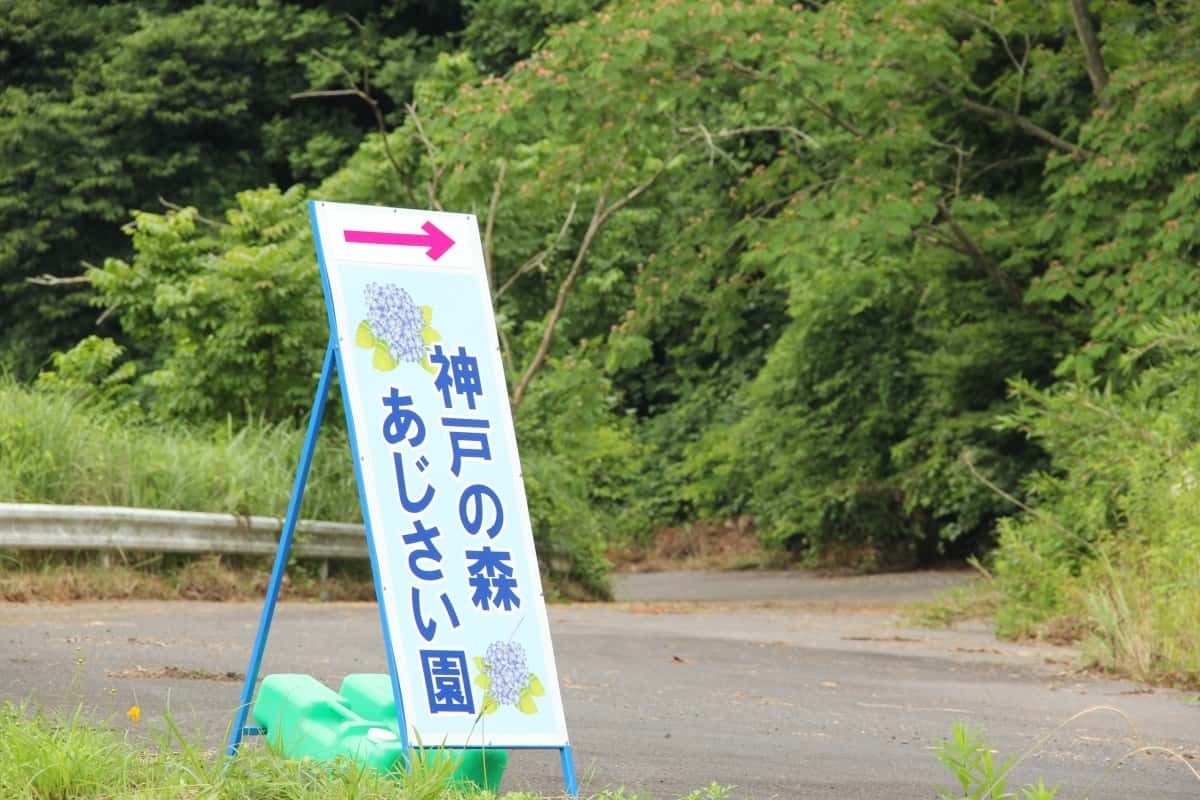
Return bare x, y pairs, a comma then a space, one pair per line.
438, 471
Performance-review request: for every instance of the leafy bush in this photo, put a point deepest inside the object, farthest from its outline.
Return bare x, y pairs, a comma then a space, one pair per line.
579, 464
219, 319
1113, 535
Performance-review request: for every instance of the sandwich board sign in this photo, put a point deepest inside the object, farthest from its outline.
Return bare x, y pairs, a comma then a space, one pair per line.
413, 339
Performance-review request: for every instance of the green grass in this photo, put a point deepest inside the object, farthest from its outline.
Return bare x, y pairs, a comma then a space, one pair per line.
48, 757
60, 448
977, 600
44, 756
56, 448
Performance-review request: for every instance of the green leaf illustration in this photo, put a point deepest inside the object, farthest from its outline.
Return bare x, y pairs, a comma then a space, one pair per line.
483, 681
363, 336
535, 686
490, 706
527, 704
382, 360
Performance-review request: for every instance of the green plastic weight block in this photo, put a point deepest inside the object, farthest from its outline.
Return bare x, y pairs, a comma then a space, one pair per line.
370, 696
305, 718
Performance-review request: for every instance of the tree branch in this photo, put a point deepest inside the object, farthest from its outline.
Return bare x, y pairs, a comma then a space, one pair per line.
1091, 48
560, 301
108, 312
538, 260
601, 214
710, 138
435, 171
968, 247
1028, 127
1004, 163
1019, 64
505, 352
216, 223
808, 101
968, 460
362, 92
713, 149
47, 279
807, 191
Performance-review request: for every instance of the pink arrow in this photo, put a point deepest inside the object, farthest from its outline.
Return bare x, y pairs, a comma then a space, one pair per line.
434, 238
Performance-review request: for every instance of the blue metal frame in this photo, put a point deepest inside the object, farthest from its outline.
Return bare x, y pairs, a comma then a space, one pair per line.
285, 547
568, 768
333, 361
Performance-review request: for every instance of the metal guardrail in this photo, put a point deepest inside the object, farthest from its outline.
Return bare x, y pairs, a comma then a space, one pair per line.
45, 527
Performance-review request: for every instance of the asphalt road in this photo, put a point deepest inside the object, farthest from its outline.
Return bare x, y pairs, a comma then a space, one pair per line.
785, 685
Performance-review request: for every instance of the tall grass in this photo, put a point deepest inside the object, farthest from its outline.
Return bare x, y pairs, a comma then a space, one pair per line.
57, 448
62, 446
47, 757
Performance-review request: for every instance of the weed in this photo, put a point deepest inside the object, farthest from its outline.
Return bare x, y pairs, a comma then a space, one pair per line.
978, 599
969, 758
1111, 543
59, 577
715, 791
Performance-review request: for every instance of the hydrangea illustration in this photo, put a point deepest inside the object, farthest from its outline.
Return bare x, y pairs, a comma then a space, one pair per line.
396, 327
506, 680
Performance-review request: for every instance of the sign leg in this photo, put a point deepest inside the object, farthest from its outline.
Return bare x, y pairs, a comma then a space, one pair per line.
285, 547
568, 768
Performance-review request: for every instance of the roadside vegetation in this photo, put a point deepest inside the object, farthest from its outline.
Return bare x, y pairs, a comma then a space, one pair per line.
894, 281
31, 576
47, 757
62, 447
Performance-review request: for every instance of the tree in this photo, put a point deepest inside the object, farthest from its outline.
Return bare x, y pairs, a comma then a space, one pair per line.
107, 108
794, 253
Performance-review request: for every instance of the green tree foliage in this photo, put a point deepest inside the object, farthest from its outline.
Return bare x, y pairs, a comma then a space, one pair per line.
1119, 225
221, 319
501, 32
108, 107
785, 259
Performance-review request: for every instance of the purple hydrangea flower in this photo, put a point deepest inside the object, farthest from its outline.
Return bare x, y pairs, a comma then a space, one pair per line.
507, 670
396, 321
